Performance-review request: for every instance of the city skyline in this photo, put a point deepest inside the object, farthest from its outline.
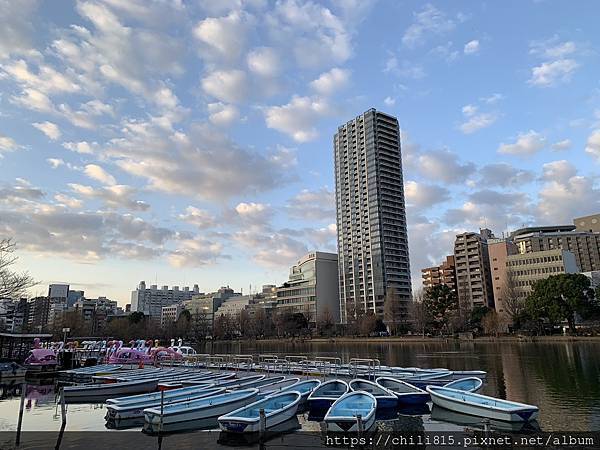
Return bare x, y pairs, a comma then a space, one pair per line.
193, 144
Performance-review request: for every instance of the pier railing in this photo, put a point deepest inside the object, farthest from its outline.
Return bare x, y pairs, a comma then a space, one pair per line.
358, 365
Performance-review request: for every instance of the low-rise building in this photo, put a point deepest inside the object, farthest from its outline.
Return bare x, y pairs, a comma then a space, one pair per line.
445, 274
150, 300
499, 250
526, 269
170, 314
312, 288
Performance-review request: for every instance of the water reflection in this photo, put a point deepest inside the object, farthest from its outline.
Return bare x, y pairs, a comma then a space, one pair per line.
442, 414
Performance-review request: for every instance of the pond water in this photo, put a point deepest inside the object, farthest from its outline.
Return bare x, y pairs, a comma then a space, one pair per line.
562, 378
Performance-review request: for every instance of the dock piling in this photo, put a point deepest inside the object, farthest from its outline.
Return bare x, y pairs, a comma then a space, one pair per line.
359, 424
262, 423
21, 407
63, 406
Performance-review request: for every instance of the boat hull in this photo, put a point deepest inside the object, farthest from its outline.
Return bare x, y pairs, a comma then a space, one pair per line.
105, 391
350, 424
417, 398
252, 425
204, 412
523, 414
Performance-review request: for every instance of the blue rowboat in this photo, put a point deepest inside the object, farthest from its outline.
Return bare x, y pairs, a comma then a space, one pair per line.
198, 409
343, 414
277, 408
407, 393
469, 384
276, 387
481, 405
327, 393
385, 397
305, 388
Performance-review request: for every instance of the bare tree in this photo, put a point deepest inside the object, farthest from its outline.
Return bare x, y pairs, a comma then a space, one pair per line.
392, 311
419, 313
513, 304
12, 284
491, 323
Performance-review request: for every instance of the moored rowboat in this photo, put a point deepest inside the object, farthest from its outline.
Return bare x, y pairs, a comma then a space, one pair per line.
385, 397
407, 393
327, 393
343, 414
134, 410
469, 384
481, 405
277, 408
199, 409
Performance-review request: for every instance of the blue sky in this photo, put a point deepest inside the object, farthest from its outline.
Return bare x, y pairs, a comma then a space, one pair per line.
191, 142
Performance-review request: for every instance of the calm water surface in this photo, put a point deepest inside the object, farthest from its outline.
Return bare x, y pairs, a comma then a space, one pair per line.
562, 378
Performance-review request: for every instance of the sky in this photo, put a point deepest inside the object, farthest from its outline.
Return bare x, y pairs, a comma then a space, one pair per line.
182, 142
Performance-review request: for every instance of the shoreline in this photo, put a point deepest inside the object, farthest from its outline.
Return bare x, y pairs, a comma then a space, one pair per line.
419, 339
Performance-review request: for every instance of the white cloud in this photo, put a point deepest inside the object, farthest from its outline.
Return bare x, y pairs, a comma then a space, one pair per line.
525, 145
428, 21
201, 162
195, 253
264, 61
329, 82
389, 101
34, 100
469, 110
422, 195
222, 114
228, 86
49, 129
198, 217
68, 201
224, 38
560, 171
7, 144
82, 147
404, 69
553, 72
553, 49
592, 147
115, 196
565, 144
494, 98
47, 80
471, 47
271, 249
298, 118
309, 204
504, 175
442, 165
55, 162
16, 28
566, 197
477, 122
314, 35
253, 213
97, 173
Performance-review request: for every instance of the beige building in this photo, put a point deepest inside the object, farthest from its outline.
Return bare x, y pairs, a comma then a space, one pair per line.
582, 238
499, 250
312, 287
473, 278
590, 224
526, 269
170, 314
445, 273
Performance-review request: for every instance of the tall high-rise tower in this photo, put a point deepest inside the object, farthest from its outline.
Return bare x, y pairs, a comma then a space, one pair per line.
371, 218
